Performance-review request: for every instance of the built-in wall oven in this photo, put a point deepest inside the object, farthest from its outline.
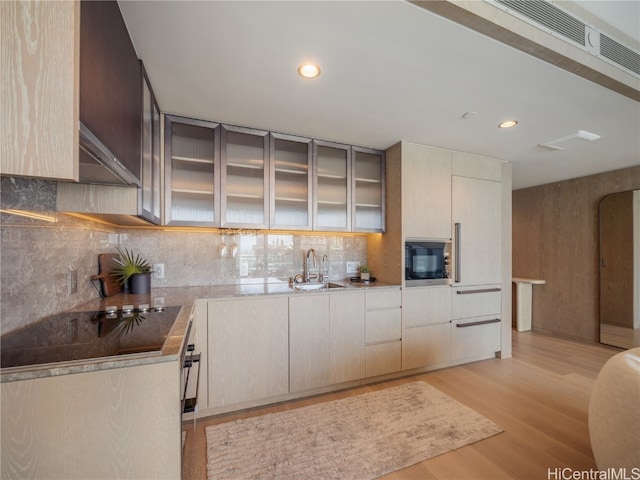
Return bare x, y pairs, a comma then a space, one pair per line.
189, 380
426, 262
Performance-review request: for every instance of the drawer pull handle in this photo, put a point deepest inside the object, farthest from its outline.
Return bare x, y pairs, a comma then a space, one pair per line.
475, 324
482, 290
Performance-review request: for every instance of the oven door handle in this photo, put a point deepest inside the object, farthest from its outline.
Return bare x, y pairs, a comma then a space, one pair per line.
190, 394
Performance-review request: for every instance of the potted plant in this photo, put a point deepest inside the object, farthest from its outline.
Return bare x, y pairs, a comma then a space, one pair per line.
365, 273
133, 272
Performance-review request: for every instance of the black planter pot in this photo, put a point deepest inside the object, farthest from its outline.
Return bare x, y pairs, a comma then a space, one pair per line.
140, 283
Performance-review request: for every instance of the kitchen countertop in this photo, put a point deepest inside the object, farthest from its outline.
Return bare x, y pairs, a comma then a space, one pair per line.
168, 296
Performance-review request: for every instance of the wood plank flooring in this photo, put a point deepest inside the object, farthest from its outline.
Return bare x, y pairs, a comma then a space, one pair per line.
540, 397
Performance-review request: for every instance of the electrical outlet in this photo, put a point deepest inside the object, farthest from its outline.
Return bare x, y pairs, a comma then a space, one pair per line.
73, 281
158, 270
352, 267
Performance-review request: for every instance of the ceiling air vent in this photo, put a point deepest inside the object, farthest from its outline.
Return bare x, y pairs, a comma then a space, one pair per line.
619, 54
572, 140
550, 16
559, 23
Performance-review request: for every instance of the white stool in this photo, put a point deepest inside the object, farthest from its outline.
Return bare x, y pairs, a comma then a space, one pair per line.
523, 301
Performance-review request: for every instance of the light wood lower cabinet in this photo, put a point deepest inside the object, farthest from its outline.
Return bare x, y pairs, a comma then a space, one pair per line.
475, 338
273, 348
326, 340
383, 358
426, 337
383, 332
248, 350
427, 346
476, 301
118, 423
476, 326
347, 337
309, 342
426, 305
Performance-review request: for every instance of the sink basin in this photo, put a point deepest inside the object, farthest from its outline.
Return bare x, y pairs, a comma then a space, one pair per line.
306, 287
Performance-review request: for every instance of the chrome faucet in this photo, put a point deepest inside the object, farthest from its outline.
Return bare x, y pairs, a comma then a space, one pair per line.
311, 253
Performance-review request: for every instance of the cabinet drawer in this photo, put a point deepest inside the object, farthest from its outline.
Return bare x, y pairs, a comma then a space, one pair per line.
383, 326
426, 305
426, 346
475, 337
383, 299
383, 358
475, 301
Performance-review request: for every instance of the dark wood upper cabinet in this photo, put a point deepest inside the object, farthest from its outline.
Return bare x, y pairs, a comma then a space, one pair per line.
110, 82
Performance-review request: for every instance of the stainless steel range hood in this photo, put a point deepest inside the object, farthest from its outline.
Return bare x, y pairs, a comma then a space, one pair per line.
106, 191
98, 165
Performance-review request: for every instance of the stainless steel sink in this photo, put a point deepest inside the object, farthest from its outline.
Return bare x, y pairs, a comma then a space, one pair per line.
313, 286
306, 287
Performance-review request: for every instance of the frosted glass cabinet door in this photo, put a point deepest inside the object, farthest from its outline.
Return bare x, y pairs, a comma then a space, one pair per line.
368, 186
192, 178
244, 157
157, 162
332, 186
145, 207
149, 207
291, 183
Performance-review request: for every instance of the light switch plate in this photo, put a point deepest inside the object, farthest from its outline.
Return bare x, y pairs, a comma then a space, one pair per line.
158, 270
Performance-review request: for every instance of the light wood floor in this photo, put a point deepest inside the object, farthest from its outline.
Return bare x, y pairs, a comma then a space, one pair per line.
540, 397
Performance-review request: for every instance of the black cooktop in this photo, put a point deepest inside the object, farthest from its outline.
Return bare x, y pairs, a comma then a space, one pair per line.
85, 335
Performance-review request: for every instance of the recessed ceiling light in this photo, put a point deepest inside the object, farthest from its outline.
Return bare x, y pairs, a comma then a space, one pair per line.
508, 124
309, 70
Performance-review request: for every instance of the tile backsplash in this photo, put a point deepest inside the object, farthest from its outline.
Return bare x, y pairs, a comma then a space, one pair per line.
39, 255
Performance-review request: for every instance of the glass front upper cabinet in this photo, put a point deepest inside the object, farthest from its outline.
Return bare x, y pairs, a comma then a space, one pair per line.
369, 190
332, 186
244, 177
192, 178
149, 204
291, 182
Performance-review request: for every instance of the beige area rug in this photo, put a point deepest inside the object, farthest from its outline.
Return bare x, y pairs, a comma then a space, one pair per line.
356, 438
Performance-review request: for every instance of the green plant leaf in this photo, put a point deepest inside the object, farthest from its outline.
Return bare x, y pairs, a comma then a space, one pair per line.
129, 264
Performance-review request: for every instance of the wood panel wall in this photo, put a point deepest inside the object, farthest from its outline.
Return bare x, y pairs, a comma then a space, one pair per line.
555, 238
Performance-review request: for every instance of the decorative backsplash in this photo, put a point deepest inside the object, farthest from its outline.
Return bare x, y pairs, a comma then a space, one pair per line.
40, 255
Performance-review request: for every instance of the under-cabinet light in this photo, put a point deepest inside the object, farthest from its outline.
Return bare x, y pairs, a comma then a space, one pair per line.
25, 213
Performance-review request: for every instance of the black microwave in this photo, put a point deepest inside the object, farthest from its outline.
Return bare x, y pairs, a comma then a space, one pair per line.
426, 262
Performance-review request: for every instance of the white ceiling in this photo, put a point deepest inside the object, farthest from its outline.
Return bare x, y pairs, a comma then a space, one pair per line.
390, 71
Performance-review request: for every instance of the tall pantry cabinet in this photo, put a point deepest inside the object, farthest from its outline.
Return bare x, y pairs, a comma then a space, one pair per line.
461, 198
